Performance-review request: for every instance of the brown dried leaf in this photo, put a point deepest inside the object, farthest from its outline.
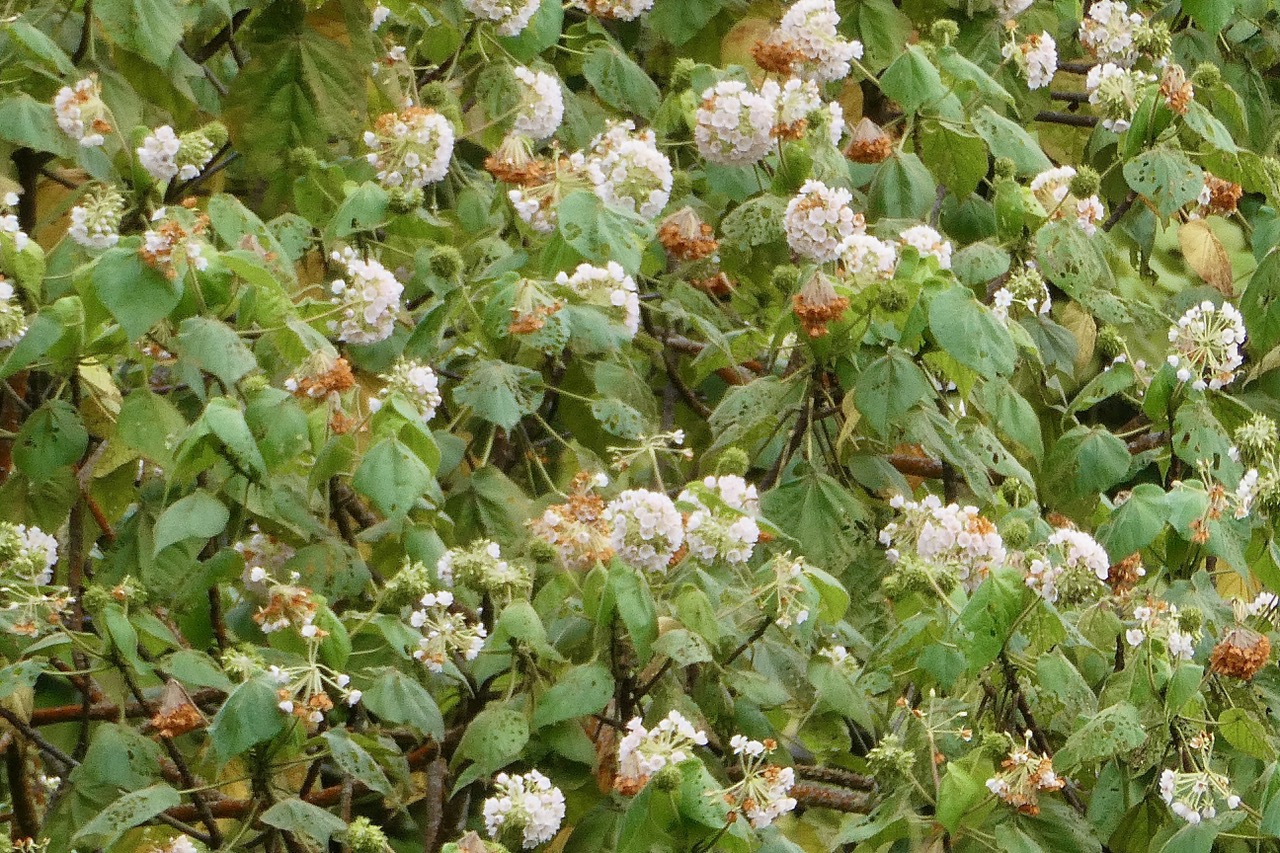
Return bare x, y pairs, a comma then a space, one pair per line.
1206, 255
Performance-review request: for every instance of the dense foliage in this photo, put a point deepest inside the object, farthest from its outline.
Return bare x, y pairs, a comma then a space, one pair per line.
639, 425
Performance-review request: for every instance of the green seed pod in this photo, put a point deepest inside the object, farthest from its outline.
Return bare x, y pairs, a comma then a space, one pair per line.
733, 461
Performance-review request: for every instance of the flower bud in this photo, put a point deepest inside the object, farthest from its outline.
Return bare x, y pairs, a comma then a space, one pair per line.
1207, 76
446, 262
1110, 342
1005, 168
1084, 183
364, 837
733, 461
944, 31
1016, 533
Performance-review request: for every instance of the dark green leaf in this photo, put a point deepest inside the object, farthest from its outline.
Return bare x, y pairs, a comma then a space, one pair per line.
581, 690
500, 392
392, 476
296, 816
197, 516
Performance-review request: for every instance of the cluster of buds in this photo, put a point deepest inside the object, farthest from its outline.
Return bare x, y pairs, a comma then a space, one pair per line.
910, 575
1197, 795
1206, 345
1073, 567
444, 632
786, 586
32, 602
1116, 92
541, 104
81, 114
1023, 775
174, 239
481, 567
647, 531
95, 221
627, 171
415, 382
411, 148
1025, 288
643, 753
578, 528
954, 535
1065, 193
368, 301
526, 804
721, 519
165, 155
763, 793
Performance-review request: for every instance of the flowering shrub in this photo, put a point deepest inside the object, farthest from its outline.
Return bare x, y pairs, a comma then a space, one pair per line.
639, 425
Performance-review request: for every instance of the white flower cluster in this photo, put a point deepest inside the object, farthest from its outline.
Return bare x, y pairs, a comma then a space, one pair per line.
577, 528
410, 148
303, 690
1262, 604
735, 124
1115, 90
946, 534
9, 223
627, 170
159, 153
608, 286
796, 98
647, 529
379, 17
1023, 776
369, 299
928, 242
864, 256
1025, 287
1245, 493
726, 526
13, 320
1052, 188
414, 381
1196, 796
528, 802
819, 220
95, 221
810, 28
1160, 621
36, 556
481, 566
81, 114
444, 633
264, 556
168, 235
643, 752
511, 16
1073, 556
763, 794
1206, 343
541, 103
1108, 32
622, 10
1036, 57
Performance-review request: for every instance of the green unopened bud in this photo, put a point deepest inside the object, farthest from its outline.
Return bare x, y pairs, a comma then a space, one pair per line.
682, 73
993, 744
401, 200
733, 461
435, 94
1110, 342
944, 31
254, 384
216, 132
1190, 619
542, 551
446, 262
1085, 183
304, 157
1267, 493
786, 277
1016, 493
1015, 533
1256, 439
1079, 585
364, 837
893, 296
889, 760
1005, 168
408, 585
1206, 76
669, 778
681, 184
1153, 38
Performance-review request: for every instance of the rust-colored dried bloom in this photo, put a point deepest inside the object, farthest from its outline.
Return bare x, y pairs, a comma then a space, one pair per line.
686, 237
1176, 88
318, 380
776, 55
1240, 653
578, 528
177, 714
1224, 196
818, 304
514, 163
718, 285
1124, 575
527, 324
870, 144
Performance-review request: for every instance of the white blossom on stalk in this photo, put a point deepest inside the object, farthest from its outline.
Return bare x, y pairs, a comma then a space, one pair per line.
159, 152
867, 257
809, 28
1206, 344
13, 320
1073, 565
622, 10
526, 802
369, 300
9, 223
727, 532
763, 794
1025, 288
928, 242
627, 170
444, 633
414, 381
482, 567
511, 16
819, 219
952, 535
647, 529
644, 752
607, 287
411, 148
541, 103
1108, 32
264, 557
95, 221
379, 17
735, 124
81, 114
1196, 796
1036, 57
1115, 91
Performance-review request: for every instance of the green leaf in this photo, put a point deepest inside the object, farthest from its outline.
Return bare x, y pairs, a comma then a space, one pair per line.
197, 516
971, 334
912, 80
136, 293
979, 263
397, 698
830, 524
619, 82
1206, 125
988, 618
963, 787
1090, 460
27, 122
1111, 732
1246, 733
883, 29
1165, 176
684, 647
52, 436
889, 387
133, 809
19, 676
364, 209
151, 425
296, 816
500, 392
601, 233
581, 690
1260, 304
1011, 414
1136, 523
226, 422
355, 760
493, 739
1070, 259
678, 21
1008, 139
1210, 15
215, 348
634, 600
248, 717
958, 159
149, 28
392, 476
902, 188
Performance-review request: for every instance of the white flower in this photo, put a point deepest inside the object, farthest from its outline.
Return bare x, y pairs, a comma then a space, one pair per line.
1181, 645
159, 152
1115, 91
369, 300
797, 98
541, 103
627, 170
1081, 549
810, 28
608, 287
647, 529
927, 241
95, 221
712, 532
1206, 344
410, 148
526, 801
1107, 32
1135, 637
380, 15
622, 10
81, 114
864, 256
953, 535
511, 16
1036, 57
40, 550
819, 219
444, 633
414, 381
643, 752
734, 124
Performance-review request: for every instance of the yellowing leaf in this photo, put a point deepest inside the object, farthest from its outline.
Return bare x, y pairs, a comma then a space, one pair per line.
1206, 255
